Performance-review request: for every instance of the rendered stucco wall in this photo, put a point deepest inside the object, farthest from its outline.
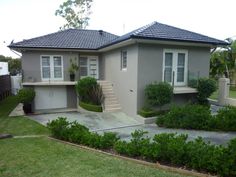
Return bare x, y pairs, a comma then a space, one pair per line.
31, 64
124, 82
150, 63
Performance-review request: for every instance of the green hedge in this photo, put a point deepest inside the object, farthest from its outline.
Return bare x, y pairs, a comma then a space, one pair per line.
168, 148
76, 133
199, 117
147, 112
90, 107
178, 151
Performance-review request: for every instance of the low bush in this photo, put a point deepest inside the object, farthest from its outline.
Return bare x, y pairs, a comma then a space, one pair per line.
90, 107
170, 148
89, 91
225, 119
26, 95
158, 94
76, 133
188, 117
203, 156
228, 160
147, 112
59, 128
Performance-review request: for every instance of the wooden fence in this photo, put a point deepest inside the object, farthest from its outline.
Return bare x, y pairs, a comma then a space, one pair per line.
5, 86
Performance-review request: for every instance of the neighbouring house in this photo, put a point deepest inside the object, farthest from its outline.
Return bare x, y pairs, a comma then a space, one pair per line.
4, 68
124, 65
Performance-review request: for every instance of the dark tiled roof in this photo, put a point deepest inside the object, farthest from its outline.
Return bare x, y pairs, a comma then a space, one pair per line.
93, 40
68, 39
159, 31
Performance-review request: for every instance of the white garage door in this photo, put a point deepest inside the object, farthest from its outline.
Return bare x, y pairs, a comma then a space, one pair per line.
50, 97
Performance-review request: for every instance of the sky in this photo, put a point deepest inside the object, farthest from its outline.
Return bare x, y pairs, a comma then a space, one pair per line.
25, 19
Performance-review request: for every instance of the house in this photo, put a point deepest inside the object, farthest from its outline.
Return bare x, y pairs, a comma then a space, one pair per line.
124, 65
4, 68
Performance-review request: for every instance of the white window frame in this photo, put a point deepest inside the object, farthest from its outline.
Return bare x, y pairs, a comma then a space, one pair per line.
175, 65
89, 57
124, 68
52, 78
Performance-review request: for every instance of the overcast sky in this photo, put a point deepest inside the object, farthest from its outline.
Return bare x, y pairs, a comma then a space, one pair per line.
24, 19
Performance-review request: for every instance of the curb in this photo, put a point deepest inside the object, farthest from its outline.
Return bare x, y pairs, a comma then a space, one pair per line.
153, 165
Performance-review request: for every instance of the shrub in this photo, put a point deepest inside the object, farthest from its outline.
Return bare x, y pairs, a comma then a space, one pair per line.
121, 147
188, 116
205, 89
108, 140
158, 94
170, 148
203, 156
76, 133
26, 95
59, 128
90, 107
225, 119
84, 86
228, 160
138, 143
147, 112
96, 95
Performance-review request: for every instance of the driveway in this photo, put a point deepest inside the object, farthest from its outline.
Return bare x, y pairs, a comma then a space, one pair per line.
124, 125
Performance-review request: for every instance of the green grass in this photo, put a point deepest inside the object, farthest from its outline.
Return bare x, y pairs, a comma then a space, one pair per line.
232, 94
26, 157
43, 157
17, 125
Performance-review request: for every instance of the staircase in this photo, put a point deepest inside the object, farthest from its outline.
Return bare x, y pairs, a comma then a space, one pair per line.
111, 103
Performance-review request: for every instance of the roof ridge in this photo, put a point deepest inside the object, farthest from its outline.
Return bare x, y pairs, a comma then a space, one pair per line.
139, 30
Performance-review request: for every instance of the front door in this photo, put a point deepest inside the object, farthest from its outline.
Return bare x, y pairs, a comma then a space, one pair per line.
89, 66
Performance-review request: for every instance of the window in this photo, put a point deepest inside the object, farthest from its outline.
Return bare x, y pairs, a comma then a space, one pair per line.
175, 66
123, 60
51, 67
88, 66
83, 64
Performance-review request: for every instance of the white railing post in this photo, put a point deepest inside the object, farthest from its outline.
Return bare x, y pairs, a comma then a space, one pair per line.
223, 91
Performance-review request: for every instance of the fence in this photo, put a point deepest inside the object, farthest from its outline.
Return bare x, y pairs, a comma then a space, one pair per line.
5, 86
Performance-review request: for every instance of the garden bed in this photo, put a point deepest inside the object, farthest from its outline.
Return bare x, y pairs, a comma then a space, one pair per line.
166, 148
90, 107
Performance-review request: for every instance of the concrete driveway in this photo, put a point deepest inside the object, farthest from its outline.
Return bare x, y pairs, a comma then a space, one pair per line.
124, 125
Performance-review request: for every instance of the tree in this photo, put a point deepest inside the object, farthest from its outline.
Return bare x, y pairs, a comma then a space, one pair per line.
223, 60
75, 12
14, 65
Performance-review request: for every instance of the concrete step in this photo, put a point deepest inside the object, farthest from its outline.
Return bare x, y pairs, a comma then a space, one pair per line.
111, 102
112, 110
112, 105
108, 91
106, 102
107, 87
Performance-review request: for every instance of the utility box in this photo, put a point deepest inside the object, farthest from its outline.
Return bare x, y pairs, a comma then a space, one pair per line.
4, 68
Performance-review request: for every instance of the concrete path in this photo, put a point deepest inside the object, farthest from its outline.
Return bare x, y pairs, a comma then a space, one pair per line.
124, 125
94, 121
18, 111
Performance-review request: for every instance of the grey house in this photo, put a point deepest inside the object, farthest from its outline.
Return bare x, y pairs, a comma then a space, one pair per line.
124, 65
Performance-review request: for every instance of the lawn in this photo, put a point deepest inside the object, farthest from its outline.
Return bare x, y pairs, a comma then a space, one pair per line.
38, 157
44, 157
232, 94
17, 125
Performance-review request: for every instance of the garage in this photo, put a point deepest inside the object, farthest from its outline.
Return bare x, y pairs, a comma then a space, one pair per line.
50, 97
